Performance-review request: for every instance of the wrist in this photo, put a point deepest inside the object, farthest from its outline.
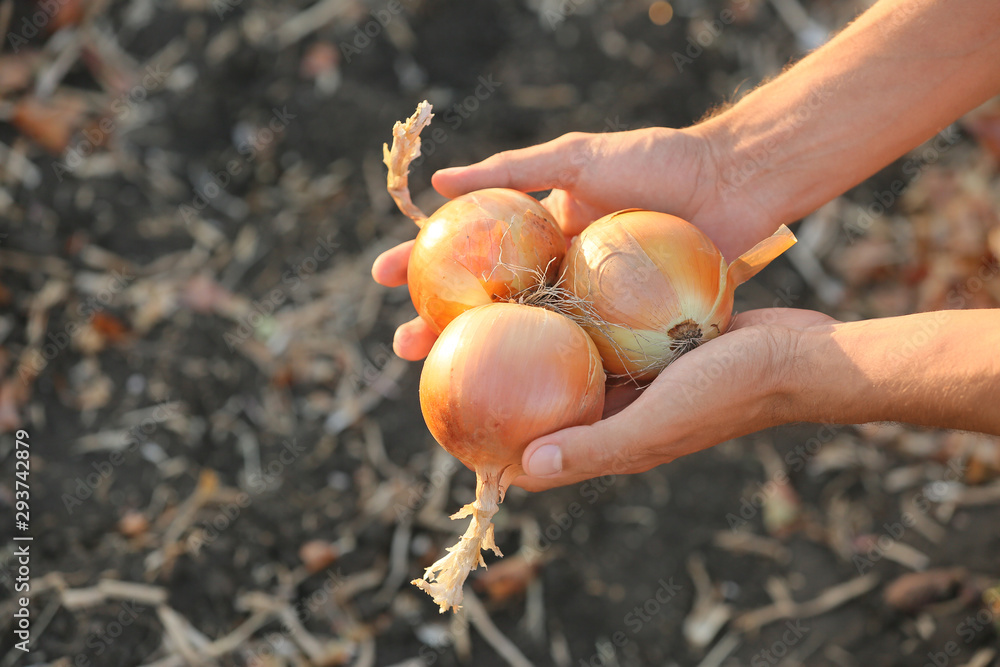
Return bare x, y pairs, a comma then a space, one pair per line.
735, 190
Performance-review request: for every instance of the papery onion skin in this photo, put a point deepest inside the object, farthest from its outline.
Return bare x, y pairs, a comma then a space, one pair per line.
658, 285
479, 248
505, 374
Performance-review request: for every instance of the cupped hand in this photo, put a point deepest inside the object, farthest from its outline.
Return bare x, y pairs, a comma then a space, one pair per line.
591, 175
730, 386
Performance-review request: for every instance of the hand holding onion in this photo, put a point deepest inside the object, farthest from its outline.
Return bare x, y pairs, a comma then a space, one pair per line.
512, 362
593, 175
736, 384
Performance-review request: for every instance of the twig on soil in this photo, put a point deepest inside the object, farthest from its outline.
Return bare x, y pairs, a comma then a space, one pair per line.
18, 168
242, 633
183, 637
982, 658
923, 524
751, 543
208, 484
461, 640
979, 495
6, 12
310, 20
828, 600
480, 619
729, 643
359, 582
38, 626
361, 404
398, 561
24, 262
318, 652
366, 654
708, 613
112, 589
49, 79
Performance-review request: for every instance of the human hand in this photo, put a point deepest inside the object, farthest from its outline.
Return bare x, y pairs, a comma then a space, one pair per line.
728, 387
591, 175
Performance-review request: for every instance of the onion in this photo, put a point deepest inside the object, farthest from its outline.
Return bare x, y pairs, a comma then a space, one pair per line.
498, 377
658, 286
482, 247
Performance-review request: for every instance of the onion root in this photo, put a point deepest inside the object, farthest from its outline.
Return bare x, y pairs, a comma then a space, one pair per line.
444, 580
405, 149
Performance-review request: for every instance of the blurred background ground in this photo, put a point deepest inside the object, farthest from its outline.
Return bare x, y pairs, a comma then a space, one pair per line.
228, 465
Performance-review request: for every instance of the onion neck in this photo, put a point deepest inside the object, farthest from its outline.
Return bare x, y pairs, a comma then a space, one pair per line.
444, 580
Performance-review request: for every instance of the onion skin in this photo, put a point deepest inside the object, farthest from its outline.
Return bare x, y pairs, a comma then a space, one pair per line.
500, 376
481, 247
659, 286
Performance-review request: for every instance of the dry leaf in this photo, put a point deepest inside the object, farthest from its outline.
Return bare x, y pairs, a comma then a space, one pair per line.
507, 578
910, 593
52, 122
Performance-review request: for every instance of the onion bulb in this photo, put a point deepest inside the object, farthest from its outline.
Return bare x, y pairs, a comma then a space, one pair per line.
658, 286
481, 247
498, 377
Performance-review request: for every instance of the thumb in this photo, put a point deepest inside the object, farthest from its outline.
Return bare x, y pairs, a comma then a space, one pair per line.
578, 453
531, 169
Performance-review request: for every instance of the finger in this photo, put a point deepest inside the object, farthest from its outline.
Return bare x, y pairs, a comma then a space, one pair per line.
788, 317
389, 268
572, 214
541, 167
413, 340
578, 453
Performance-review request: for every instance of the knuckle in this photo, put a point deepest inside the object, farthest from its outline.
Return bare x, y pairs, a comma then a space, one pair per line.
580, 150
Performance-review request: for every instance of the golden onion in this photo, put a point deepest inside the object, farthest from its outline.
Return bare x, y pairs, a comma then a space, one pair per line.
498, 377
658, 286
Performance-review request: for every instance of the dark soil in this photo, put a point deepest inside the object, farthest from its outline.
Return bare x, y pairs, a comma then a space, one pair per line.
612, 545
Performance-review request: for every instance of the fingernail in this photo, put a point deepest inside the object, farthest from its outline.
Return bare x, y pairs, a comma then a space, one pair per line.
547, 460
448, 171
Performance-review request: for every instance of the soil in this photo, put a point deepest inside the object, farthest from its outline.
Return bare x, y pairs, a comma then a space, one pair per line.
255, 415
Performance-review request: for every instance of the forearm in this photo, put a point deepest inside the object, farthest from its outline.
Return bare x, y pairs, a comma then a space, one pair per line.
894, 78
934, 369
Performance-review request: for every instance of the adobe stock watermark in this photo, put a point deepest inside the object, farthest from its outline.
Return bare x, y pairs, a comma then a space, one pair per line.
796, 459
248, 148
209, 530
759, 156
912, 168
706, 35
553, 18
31, 26
455, 115
774, 653
736, 353
894, 532
421, 491
291, 279
562, 522
968, 629
120, 109
931, 323
36, 359
84, 487
278, 643
364, 35
588, 152
634, 621
100, 640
